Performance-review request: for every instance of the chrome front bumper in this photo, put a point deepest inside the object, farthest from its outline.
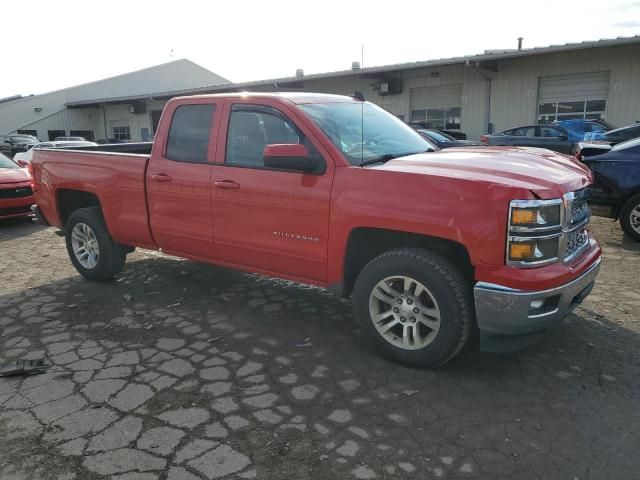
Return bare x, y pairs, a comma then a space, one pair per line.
503, 311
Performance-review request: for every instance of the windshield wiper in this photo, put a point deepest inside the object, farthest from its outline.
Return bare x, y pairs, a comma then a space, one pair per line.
389, 156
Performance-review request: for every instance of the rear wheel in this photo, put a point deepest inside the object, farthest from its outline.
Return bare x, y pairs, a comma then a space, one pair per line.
415, 305
630, 217
93, 252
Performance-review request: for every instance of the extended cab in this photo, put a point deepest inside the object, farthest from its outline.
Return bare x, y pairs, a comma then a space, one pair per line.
435, 247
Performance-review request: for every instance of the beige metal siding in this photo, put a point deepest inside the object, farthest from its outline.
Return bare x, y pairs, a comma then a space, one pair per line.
568, 88
436, 97
514, 91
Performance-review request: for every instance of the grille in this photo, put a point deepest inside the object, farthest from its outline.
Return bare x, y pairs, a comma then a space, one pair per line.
15, 192
15, 210
579, 209
576, 241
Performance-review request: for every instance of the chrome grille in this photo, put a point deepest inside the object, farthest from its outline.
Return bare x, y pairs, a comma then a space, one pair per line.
576, 241
579, 208
577, 216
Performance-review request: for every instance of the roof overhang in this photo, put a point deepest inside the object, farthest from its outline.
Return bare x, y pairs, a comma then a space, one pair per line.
487, 62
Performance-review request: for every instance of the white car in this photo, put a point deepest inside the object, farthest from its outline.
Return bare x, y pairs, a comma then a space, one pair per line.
25, 157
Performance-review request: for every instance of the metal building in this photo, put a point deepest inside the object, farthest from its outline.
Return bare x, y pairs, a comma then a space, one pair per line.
495, 89
47, 116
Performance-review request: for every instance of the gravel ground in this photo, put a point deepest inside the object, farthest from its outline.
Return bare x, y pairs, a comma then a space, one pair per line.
184, 371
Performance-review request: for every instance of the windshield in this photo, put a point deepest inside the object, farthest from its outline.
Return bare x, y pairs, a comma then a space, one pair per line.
5, 162
363, 131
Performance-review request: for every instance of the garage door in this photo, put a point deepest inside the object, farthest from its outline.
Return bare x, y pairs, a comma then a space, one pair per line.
573, 96
437, 107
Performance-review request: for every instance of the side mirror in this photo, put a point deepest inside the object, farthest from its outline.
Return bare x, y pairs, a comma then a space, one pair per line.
289, 156
22, 163
563, 136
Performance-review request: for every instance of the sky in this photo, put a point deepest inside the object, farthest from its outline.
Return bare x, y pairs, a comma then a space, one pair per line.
74, 42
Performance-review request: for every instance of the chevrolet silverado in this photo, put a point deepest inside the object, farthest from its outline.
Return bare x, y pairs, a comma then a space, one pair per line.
435, 247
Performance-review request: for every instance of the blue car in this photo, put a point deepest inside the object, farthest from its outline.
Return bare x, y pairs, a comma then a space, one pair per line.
616, 187
577, 127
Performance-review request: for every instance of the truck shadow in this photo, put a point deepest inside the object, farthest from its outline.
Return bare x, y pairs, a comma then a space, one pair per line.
18, 227
573, 396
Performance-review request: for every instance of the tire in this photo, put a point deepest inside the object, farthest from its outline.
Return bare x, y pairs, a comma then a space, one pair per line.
630, 217
86, 227
443, 295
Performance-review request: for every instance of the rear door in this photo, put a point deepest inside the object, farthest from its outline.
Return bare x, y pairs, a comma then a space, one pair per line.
268, 219
554, 138
179, 175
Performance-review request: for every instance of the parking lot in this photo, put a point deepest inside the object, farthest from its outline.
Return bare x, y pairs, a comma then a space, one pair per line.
180, 371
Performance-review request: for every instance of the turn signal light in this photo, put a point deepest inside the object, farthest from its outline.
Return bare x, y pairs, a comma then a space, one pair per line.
521, 251
523, 217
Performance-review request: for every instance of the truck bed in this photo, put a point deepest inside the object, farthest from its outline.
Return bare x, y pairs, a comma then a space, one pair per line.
116, 179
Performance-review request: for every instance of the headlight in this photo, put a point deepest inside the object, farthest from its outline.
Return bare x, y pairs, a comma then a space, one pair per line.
535, 229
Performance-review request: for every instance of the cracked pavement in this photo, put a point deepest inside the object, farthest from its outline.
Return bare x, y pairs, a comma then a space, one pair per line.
184, 371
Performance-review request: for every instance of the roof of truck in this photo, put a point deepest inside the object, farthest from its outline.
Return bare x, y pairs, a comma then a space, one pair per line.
295, 97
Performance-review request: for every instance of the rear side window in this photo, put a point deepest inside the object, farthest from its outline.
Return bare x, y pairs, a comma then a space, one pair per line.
549, 132
189, 133
523, 132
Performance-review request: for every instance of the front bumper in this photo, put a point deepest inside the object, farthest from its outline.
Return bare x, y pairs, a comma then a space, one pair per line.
508, 318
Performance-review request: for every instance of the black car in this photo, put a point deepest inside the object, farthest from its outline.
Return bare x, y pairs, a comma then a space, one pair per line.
429, 126
12, 144
616, 188
442, 140
109, 141
542, 136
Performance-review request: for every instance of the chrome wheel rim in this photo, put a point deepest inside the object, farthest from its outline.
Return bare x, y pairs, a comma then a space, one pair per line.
634, 219
85, 245
404, 312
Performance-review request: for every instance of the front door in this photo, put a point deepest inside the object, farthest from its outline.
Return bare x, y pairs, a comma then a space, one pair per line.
554, 139
272, 220
178, 179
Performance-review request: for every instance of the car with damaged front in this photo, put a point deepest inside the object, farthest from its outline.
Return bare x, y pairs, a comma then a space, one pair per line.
439, 249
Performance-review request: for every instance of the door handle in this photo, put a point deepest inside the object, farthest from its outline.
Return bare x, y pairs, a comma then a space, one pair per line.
227, 184
161, 177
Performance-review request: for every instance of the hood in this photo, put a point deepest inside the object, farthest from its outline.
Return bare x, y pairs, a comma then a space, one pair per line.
545, 173
13, 175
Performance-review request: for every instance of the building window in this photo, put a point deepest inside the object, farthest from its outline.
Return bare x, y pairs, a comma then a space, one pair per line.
86, 134
122, 133
585, 109
33, 133
438, 118
53, 134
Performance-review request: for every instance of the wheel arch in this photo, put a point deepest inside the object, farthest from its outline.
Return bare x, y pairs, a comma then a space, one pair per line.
70, 200
366, 243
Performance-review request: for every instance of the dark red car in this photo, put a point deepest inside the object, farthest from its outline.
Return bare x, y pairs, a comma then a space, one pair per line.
16, 196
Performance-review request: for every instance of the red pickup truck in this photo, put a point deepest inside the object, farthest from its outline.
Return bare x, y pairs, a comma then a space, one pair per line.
436, 248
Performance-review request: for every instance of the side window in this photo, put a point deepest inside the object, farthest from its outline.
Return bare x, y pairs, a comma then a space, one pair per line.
189, 133
250, 130
549, 132
523, 132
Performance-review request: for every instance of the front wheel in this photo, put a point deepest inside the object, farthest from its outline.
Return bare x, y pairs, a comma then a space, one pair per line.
93, 252
630, 217
415, 305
